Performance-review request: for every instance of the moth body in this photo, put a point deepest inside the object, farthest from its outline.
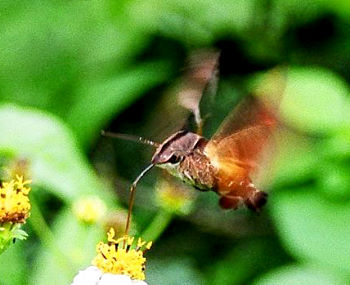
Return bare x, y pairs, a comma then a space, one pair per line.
190, 157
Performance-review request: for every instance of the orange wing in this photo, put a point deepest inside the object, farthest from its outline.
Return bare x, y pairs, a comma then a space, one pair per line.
236, 148
235, 156
242, 137
249, 113
257, 111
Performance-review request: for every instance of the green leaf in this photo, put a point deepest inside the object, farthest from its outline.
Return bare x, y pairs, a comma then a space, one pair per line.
99, 102
175, 272
313, 228
315, 100
300, 12
13, 265
301, 275
225, 18
340, 7
20, 234
42, 61
338, 145
333, 174
247, 259
334, 180
56, 163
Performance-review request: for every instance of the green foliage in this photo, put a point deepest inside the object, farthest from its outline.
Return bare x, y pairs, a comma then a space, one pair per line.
163, 272
110, 97
66, 232
16, 265
312, 227
71, 68
248, 255
56, 162
306, 102
290, 275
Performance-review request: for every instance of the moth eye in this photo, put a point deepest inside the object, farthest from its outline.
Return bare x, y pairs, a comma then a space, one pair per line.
174, 159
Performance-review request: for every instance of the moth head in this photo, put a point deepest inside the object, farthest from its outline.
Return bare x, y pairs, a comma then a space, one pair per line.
175, 148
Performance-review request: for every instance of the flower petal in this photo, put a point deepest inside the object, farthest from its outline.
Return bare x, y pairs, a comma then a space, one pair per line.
138, 282
114, 279
88, 276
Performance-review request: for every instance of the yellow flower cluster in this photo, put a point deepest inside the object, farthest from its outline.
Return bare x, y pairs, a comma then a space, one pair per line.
14, 201
89, 209
121, 256
174, 196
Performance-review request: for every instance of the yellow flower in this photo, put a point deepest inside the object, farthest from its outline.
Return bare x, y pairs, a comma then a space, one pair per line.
89, 209
174, 196
14, 201
14, 210
122, 256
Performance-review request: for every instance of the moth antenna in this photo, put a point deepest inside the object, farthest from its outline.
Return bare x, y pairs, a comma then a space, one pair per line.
132, 196
129, 138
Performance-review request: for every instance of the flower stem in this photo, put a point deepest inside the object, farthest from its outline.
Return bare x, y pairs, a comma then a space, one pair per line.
158, 225
42, 230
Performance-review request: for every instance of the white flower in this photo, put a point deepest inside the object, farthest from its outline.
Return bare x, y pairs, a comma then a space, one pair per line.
89, 276
94, 276
119, 262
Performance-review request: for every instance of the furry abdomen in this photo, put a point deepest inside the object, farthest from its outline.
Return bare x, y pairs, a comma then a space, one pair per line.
197, 171
237, 193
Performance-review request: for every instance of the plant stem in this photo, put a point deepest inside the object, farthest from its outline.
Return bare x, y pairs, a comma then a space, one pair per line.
157, 226
47, 238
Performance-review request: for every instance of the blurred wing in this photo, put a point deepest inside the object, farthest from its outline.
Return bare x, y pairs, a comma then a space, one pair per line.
237, 146
242, 141
198, 87
240, 151
258, 110
248, 115
190, 98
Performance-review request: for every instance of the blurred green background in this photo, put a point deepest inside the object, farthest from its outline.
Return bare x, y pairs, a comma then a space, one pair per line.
71, 68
